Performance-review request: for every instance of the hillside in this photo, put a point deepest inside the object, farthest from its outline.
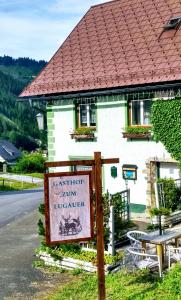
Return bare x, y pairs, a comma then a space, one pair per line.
17, 120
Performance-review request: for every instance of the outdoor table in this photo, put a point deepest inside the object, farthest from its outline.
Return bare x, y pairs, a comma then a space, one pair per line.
160, 240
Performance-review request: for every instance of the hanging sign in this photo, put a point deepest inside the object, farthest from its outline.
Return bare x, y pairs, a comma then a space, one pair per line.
68, 207
129, 172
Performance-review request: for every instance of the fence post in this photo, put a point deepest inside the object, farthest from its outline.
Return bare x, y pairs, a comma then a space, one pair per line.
111, 246
156, 195
128, 204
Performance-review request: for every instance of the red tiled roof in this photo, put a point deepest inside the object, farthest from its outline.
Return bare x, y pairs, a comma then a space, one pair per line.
116, 44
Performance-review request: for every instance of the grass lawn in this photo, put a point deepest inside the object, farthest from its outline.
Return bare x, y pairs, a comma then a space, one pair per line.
123, 285
36, 175
10, 185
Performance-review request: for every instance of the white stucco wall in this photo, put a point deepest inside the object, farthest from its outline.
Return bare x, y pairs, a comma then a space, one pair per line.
110, 123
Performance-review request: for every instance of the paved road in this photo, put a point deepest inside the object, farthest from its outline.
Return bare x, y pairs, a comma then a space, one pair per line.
18, 241
16, 204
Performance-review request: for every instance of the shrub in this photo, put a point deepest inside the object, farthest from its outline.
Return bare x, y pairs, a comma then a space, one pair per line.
30, 163
41, 228
162, 211
171, 194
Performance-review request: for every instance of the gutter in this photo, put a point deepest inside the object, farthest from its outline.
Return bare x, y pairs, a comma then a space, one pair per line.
130, 90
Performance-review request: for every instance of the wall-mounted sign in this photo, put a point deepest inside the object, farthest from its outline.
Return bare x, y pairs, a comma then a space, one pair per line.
68, 207
129, 172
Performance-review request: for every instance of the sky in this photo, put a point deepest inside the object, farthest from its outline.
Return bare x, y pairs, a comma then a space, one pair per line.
37, 28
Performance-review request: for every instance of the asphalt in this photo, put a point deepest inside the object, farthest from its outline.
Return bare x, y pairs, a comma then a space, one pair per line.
18, 279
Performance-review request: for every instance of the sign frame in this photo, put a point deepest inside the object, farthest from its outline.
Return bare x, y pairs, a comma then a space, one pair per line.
129, 172
47, 207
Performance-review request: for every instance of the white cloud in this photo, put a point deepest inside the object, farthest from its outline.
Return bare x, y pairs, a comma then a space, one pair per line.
73, 6
36, 29
34, 38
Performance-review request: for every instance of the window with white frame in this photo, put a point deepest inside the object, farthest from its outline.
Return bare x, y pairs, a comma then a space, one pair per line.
86, 114
140, 112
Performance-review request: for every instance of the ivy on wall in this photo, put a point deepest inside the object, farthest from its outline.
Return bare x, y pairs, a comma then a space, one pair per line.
166, 121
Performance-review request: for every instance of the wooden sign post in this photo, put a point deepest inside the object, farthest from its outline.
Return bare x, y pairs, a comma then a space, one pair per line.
96, 165
99, 226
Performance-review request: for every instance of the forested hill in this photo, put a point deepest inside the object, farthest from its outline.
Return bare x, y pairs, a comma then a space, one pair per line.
17, 120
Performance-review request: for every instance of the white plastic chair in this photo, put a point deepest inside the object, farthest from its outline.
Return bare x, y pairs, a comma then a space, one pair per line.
134, 236
175, 254
144, 260
171, 243
176, 228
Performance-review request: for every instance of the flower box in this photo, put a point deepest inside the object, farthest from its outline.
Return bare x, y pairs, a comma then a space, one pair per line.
76, 136
146, 135
72, 263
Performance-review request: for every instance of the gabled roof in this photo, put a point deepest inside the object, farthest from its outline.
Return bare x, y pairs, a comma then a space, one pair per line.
8, 152
116, 44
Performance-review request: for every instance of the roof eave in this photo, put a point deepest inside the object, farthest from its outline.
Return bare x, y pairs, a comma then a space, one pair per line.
101, 92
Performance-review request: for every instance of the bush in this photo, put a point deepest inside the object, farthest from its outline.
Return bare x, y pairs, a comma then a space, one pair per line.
171, 194
30, 163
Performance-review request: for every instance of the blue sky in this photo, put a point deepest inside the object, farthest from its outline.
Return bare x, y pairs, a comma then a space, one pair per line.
36, 28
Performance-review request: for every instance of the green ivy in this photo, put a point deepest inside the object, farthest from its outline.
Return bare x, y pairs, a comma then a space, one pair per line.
166, 121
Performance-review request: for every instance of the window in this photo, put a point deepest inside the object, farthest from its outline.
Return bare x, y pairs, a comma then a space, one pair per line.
139, 112
173, 23
86, 115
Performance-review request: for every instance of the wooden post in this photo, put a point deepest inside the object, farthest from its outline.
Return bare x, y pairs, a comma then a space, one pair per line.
96, 167
100, 227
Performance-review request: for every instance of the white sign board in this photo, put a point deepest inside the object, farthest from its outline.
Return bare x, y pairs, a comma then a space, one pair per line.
68, 209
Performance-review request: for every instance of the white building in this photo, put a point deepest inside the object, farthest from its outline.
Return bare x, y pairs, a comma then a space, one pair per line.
120, 57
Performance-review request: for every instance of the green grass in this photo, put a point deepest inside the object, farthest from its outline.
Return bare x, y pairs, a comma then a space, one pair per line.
36, 175
124, 285
10, 185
